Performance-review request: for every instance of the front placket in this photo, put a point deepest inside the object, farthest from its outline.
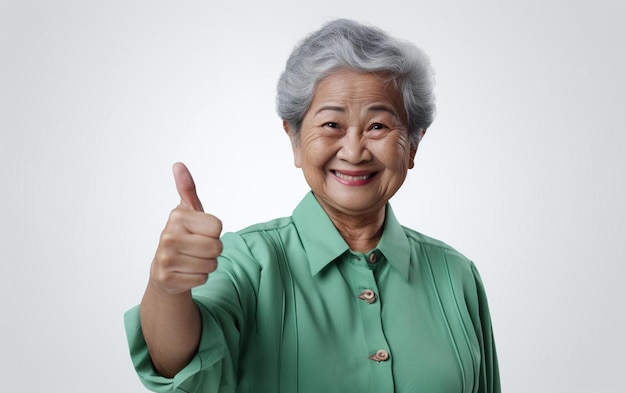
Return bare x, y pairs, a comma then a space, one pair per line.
360, 269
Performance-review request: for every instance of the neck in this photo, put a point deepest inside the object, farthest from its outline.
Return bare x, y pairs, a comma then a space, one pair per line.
362, 233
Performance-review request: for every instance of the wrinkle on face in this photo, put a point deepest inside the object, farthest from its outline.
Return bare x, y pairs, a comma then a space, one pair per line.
356, 123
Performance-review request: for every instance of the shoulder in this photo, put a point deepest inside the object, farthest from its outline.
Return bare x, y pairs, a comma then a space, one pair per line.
441, 256
256, 241
275, 224
432, 245
259, 230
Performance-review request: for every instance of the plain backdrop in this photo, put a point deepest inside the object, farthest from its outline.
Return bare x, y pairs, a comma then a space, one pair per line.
522, 171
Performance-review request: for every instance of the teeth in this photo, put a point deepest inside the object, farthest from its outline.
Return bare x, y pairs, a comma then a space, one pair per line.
351, 178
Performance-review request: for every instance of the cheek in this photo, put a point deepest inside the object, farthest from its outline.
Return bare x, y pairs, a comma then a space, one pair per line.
397, 155
399, 161
309, 151
405, 151
316, 152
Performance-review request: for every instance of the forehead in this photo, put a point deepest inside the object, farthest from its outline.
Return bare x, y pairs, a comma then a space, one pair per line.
349, 88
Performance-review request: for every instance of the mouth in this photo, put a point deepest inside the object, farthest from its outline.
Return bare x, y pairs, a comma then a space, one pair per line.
353, 178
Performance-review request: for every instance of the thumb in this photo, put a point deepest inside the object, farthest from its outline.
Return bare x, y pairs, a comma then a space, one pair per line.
186, 187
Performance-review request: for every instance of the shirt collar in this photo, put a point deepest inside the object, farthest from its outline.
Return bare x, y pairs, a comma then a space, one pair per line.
323, 243
321, 240
394, 244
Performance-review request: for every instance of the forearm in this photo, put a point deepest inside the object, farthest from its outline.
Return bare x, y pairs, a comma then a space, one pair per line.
171, 327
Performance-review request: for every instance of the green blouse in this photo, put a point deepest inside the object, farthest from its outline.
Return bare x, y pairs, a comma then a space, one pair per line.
292, 309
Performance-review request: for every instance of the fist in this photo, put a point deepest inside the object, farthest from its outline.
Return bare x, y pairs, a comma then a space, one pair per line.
189, 244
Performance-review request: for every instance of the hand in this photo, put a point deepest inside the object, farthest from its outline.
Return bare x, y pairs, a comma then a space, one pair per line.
189, 244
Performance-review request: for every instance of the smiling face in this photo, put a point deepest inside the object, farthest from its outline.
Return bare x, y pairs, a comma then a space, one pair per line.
354, 147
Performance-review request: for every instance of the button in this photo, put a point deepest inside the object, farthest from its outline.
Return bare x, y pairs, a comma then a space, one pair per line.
380, 356
368, 295
373, 258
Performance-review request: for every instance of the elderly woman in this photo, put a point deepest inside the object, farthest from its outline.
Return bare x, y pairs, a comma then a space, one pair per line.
339, 297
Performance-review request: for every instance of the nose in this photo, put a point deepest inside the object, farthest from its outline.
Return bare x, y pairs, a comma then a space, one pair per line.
354, 148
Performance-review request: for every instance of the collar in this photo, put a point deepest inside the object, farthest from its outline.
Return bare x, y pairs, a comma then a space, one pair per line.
323, 243
394, 244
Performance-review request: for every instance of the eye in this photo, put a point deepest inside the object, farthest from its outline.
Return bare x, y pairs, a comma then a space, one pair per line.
378, 126
331, 124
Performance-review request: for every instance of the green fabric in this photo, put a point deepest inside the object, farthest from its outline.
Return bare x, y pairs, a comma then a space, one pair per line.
282, 314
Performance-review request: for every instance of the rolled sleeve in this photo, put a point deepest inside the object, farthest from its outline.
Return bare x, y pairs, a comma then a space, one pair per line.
202, 374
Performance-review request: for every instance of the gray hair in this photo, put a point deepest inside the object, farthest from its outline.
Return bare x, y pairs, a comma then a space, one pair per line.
346, 44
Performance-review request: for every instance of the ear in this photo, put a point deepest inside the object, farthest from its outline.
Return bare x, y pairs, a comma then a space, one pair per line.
414, 147
295, 143
412, 156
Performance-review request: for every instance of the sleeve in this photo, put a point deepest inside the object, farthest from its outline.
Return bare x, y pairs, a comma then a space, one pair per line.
224, 301
489, 371
202, 374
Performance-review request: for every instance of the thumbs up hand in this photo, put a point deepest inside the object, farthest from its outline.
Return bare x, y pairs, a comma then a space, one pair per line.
190, 242
186, 188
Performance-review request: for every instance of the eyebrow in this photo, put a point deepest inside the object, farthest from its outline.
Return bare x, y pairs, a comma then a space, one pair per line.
373, 108
382, 108
334, 108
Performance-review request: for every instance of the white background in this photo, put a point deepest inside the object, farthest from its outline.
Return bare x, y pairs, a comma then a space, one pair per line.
522, 171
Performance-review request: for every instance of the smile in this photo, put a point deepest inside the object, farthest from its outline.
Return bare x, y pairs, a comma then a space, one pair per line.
353, 179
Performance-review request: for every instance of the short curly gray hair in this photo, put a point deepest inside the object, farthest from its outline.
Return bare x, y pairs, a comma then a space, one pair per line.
346, 44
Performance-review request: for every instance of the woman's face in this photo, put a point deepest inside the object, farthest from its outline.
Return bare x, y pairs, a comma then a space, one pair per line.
353, 147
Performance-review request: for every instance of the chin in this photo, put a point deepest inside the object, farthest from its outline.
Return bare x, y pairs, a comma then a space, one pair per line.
359, 205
